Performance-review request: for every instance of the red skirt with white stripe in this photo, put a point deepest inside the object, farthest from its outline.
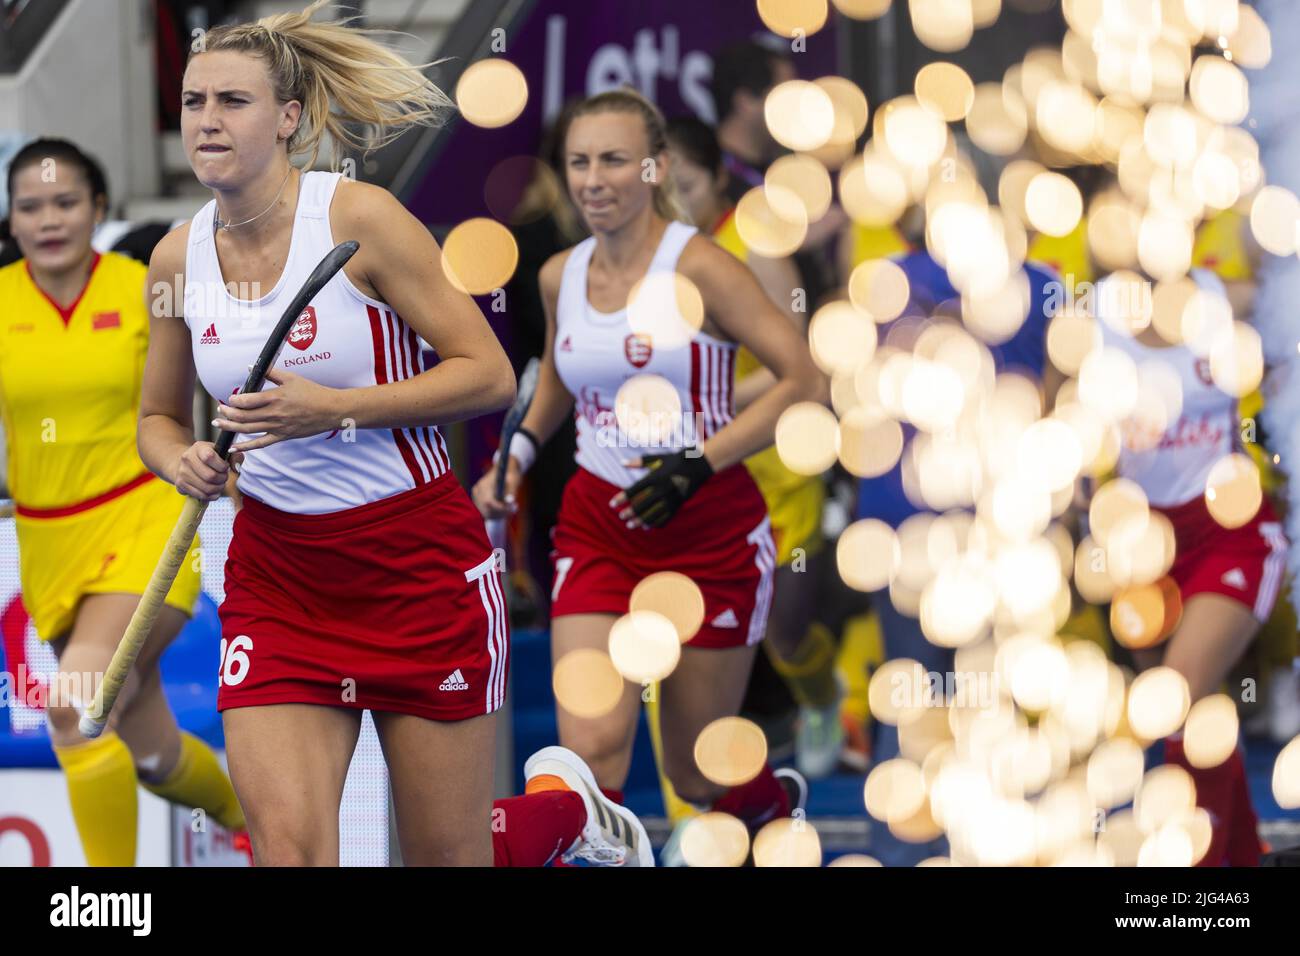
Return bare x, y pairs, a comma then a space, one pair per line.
1245, 563
721, 539
393, 606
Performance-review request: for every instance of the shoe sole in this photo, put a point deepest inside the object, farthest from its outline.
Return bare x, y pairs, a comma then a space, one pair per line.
644, 852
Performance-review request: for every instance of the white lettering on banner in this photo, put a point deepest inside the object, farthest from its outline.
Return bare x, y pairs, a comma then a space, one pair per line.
553, 69
613, 65
37, 829
75, 908
29, 830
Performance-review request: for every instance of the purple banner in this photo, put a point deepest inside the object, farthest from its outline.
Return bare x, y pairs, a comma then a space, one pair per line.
575, 48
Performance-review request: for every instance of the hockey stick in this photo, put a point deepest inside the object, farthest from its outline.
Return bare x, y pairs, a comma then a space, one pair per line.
94, 719
496, 527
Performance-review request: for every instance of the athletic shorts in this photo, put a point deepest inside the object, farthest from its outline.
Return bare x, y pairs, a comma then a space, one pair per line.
1245, 563
720, 538
106, 548
393, 606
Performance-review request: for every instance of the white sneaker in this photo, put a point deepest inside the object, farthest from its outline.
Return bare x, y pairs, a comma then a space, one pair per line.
671, 854
612, 836
819, 741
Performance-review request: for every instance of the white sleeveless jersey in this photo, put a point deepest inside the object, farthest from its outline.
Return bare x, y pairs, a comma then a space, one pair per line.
343, 339
1172, 466
682, 391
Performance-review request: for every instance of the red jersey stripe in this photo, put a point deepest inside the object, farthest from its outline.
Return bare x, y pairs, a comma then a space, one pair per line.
405, 338
697, 408
378, 334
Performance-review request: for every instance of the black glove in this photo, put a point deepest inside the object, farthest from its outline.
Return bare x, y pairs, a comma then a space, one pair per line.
671, 480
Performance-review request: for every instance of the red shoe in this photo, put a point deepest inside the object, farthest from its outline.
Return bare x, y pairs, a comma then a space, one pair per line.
856, 754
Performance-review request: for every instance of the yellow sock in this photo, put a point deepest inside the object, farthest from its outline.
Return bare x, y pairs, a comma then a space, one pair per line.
810, 671
675, 808
101, 789
197, 780
862, 649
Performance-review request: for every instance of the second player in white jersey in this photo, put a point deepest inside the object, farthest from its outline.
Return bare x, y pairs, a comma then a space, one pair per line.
344, 339
1171, 460
598, 353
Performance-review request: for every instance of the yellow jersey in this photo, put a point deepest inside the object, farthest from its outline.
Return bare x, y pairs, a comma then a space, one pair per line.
1066, 255
876, 242
1220, 248
794, 501
70, 385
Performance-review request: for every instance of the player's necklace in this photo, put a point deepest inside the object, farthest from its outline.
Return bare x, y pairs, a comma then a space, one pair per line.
217, 222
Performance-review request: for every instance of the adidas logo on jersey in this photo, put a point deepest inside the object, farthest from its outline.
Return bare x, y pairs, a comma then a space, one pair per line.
455, 681
726, 619
1236, 578
567, 344
210, 337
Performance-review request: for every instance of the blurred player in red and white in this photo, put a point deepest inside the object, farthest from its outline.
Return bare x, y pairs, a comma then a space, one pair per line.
1227, 578
658, 502
359, 575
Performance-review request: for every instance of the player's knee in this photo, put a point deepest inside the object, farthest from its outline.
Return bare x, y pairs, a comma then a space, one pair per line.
597, 746
62, 720
448, 849
290, 849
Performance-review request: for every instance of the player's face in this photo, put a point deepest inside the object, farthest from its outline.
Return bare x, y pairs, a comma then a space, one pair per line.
698, 188
603, 158
232, 125
52, 215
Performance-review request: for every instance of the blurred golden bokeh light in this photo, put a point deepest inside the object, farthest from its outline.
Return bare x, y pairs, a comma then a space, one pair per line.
807, 438
791, 18
862, 9
586, 683
648, 409
1232, 490
805, 179
667, 306
1158, 702
673, 595
946, 89
479, 256
731, 751
1286, 776
800, 115
771, 229
870, 442
715, 839
644, 646
895, 790
1053, 204
491, 92
879, 288
787, 842
1210, 735
842, 337
943, 25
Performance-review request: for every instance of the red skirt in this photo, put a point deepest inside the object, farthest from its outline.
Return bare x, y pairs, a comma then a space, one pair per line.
721, 539
1245, 563
393, 606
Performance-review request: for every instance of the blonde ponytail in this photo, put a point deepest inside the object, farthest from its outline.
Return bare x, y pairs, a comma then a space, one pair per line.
667, 202
342, 77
